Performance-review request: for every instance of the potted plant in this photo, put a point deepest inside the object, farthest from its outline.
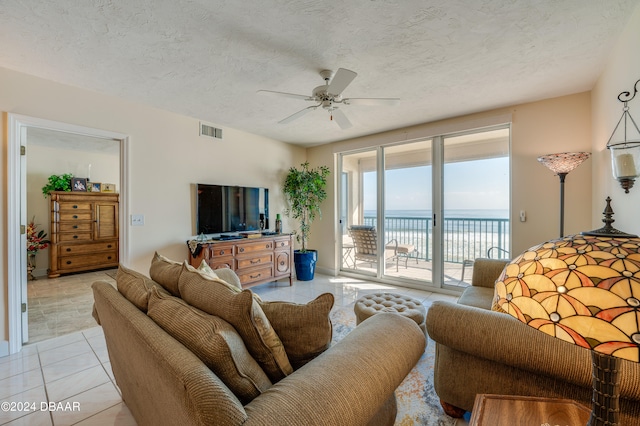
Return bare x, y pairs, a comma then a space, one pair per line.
304, 190
57, 183
36, 241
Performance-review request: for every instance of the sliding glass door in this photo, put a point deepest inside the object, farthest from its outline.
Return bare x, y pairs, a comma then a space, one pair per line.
475, 193
408, 228
359, 211
421, 212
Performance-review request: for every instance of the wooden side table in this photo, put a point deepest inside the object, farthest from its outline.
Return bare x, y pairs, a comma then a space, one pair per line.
508, 410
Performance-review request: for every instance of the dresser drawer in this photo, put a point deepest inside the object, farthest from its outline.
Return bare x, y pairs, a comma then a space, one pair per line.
282, 244
250, 262
75, 249
254, 247
253, 275
75, 236
96, 259
77, 227
222, 262
71, 206
75, 216
221, 250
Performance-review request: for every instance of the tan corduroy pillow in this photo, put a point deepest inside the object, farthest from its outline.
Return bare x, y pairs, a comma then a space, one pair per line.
239, 308
166, 273
214, 341
134, 287
305, 330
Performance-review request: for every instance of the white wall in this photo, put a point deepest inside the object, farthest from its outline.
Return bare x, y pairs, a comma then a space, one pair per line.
621, 72
166, 157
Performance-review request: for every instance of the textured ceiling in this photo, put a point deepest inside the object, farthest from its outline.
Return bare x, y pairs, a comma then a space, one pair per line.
206, 59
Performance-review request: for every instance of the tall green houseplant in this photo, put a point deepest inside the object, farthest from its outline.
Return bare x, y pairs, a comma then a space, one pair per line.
304, 190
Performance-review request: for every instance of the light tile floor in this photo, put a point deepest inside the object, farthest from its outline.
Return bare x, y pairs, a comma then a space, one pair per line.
67, 380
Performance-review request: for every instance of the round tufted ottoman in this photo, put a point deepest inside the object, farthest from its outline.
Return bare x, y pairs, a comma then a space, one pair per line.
371, 304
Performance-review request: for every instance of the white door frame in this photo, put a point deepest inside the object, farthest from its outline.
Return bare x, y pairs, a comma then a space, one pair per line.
16, 256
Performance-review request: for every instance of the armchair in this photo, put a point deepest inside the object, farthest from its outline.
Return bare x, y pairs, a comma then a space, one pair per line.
480, 351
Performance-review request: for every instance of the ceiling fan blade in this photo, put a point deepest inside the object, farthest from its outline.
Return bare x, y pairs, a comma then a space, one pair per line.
284, 94
371, 101
341, 80
341, 119
297, 115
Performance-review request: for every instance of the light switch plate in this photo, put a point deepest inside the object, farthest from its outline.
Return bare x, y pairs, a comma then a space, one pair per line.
137, 220
523, 216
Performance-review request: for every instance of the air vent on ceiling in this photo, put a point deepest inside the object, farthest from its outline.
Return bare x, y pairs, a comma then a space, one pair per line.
208, 130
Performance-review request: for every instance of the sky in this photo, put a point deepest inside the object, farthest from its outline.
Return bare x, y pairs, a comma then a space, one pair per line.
468, 185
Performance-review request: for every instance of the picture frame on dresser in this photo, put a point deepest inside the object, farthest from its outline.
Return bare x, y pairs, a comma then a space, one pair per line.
108, 187
79, 184
95, 187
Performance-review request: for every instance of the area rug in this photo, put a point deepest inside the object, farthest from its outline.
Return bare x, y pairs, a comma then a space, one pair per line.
418, 403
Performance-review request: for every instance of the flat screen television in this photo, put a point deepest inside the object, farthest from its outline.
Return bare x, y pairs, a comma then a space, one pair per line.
226, 209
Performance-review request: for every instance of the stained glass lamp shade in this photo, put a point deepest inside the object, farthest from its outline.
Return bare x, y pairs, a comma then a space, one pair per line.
585, 290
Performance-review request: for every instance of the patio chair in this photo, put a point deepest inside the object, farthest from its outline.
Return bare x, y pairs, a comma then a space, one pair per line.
499, 252
365, 241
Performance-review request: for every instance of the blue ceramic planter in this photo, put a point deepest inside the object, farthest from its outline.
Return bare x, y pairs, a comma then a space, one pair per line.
305, 264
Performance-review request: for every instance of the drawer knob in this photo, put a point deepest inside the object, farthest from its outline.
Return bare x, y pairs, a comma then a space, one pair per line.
68, 249
267, 246
108, 257
241, 249
75, 237
75, 216
75, 207
68, 262
253, 277
221, 252
75, 226
253, 262
109, 246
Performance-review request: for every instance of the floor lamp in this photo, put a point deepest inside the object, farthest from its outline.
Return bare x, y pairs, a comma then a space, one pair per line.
561, 164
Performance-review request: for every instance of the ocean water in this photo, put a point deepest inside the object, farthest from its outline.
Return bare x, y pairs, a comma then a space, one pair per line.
460, 213
467, 234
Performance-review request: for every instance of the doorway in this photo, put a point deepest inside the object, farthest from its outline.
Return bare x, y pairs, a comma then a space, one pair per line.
21, 130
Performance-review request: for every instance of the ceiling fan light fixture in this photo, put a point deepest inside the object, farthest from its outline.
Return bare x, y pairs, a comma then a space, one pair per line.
330, 94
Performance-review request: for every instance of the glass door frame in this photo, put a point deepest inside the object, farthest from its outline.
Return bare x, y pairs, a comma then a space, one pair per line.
438, 186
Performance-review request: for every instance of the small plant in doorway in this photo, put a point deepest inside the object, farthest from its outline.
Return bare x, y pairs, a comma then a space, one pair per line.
57, 183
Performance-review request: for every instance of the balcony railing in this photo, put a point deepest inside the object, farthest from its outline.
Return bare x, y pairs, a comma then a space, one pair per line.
464, 238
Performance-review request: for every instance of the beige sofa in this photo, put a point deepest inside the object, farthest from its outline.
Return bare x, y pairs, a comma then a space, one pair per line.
164, 382
480, 351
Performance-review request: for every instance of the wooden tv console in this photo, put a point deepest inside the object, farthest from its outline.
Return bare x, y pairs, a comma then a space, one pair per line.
255, 260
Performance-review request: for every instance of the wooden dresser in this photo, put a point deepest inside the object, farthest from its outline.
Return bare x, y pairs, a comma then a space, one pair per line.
84, 232
255, 260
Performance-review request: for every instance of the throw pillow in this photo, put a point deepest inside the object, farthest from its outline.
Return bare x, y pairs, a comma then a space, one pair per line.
242, 311
134, 287
225, 274
166, 272
214, 341
305, 330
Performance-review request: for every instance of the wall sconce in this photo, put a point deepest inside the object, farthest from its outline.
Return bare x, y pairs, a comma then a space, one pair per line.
625, 150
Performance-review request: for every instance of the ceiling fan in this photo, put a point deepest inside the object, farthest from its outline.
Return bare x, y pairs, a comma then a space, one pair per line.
329, 97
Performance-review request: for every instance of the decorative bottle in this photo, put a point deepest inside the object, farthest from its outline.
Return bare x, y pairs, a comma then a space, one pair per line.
278, 224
